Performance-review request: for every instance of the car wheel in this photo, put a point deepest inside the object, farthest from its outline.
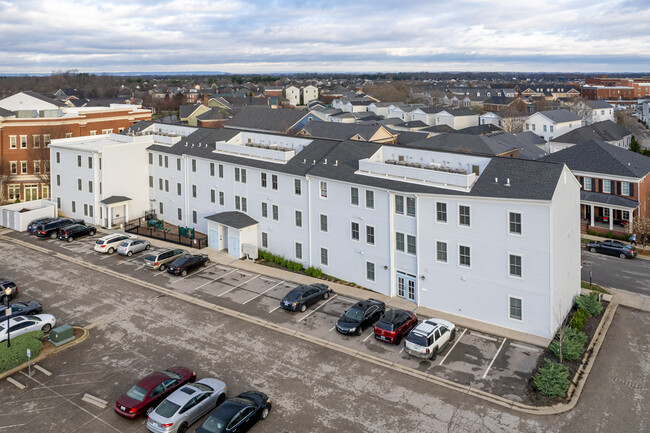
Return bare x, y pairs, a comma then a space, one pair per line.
398, 340
183, 273
302, 308
206, 263
130, 253
359, 331
52, 235
46, 328
110, 250
622, 255
326, 295
70, 239
452, 337
182, 428
162, 267
265, 413
147, 247
92, 233
220, 400
592, 249
433, 354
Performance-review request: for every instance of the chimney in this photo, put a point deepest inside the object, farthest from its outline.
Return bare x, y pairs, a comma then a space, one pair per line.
496, 180
508, 182
325, 163
336, 163
314, 162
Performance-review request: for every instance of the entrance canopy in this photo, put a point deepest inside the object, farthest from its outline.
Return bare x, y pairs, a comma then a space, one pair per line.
235, 232
236, 220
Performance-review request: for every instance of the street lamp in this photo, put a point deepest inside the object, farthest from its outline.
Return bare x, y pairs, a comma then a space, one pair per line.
8, 313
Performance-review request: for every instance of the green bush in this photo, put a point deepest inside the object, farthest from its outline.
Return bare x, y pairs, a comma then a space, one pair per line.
16, 355
569, 344
552, 379
579, 319
590, 304
314, 272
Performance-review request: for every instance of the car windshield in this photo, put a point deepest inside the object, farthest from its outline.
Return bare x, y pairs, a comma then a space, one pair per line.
417, 339
355, 314
294, 295
167, 409
124, 244
99, 242
172, 375
137, 393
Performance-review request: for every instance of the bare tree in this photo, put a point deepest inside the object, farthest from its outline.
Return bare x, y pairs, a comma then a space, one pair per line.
388, 92
6, 177
513, 120
641, 227
580, 108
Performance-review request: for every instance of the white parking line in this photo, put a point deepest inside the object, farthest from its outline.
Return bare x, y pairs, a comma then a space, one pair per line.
402, 350
212, 281
267, 280
452, 347
495, 357
333, 327
486, 337
11, 426
108, 256
222, 268
193, 273
270, 288
238, 285
525, 347
316, 309
369, 335
274, 309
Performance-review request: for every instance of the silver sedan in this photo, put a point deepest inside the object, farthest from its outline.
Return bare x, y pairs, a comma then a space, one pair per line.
127, 248
186, 405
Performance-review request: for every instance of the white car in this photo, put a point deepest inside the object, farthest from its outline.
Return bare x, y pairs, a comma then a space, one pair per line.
429, 338
109, 243
23, 324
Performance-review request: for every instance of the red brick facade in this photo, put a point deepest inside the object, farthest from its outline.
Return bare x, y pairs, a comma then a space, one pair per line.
24, 155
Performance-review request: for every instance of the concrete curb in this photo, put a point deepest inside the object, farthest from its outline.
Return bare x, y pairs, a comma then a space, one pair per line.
468, 390
46, 353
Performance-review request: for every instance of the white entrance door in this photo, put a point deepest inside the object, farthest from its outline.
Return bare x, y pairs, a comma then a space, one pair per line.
213, 239
233, 246
406, 286
31, 192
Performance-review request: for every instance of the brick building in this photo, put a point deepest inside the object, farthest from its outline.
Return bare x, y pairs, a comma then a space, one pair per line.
29, 121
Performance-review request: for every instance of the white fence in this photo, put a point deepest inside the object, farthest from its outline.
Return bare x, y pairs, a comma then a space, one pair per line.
18, 215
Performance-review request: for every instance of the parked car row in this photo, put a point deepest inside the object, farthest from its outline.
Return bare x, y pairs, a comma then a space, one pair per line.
21, 317
173, 400
423, 340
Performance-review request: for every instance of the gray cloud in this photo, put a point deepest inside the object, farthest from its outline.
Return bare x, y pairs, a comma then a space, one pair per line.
266, 36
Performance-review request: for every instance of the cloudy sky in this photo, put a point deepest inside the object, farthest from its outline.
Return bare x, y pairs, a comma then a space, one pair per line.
257, 36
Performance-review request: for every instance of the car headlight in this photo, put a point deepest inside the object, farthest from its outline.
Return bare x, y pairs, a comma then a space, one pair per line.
294, 304
352, 329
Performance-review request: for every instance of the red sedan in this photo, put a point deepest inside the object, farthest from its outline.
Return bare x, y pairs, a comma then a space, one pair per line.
145, 395
394, 325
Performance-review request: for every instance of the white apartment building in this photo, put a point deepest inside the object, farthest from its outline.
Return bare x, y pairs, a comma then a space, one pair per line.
491, 239
552, 123
309, 93
292, 93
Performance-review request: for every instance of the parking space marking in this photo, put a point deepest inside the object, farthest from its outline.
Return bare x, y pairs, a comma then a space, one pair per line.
403, 350
108, 256
369, 335
486, 337
193, 273
212, 281
222, 268
316, 309
524, 347
274, 309
11, 426
270, 288
495, 357
238, 285
452, 347
267, 280
333, 327
15, 383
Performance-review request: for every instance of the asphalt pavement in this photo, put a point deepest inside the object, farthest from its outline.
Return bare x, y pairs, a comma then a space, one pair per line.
625, 274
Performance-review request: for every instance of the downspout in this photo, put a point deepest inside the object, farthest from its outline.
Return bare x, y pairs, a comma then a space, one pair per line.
391, 245
309, 247
417, 246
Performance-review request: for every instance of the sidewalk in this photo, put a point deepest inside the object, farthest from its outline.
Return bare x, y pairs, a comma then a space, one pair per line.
223, 258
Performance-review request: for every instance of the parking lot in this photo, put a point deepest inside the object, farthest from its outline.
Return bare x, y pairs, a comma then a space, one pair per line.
483, 361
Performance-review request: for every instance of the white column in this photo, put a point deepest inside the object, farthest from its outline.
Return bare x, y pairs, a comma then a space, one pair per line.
611, 219
629, 217
108, 216
591, 214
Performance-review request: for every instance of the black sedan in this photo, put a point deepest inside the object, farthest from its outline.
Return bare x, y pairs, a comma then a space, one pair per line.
237, 414
360, 316
187, 263
299, 298
613, 248
20, 309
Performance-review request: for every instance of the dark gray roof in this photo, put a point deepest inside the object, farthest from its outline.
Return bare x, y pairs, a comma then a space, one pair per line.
462, 112
212, 114
597, 104
499, 100
115, 199
560, 116
605, 130
186, 110
6, 113
340, 131
608, 199
432, 110
413, 124
236, 220
44, 98
479, 129
265, 119
439, 128
599, 157
405, 137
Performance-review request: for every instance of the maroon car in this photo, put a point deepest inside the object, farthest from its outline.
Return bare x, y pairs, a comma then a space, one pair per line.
145, 395
394, 325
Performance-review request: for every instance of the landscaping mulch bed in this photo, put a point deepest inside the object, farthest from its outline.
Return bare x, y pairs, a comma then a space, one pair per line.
537, 399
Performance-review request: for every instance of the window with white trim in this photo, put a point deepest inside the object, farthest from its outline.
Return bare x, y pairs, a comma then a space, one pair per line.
298, 218
354, 230
298, 251
625, 188
515, 265
274, 182
370, 199
179, 189
370, 271
464, 255
354, 196
194, 217
410, 206
410, 244
23, 142
213, 196
515, 222
323, 189
399, 204
222, 198
323, 223
180, 214
297, 187
263, 180
276, 212
441, 212
265, 240
587, 182
516, 308
36, 141
13, 167
13, 140
607, 186
399, 242
463, 215
441, 251
370, 235
265, 210
324, 259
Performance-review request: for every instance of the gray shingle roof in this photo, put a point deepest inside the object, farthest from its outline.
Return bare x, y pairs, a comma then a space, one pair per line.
608, 199
43, 98
462, 112
599, 157
340, 131
560, 116
265, 119
115, 199
605, 130
6, 113
597, 104
186, 110
234, 219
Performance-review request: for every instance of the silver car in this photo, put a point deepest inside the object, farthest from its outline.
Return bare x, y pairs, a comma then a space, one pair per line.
187, 405
127, 248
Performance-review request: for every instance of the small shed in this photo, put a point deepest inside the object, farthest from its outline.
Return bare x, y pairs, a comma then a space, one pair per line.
235, 232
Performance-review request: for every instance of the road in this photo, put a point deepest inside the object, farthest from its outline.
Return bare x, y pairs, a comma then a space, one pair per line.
609, 271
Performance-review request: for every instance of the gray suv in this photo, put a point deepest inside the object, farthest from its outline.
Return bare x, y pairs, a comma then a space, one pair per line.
161, 258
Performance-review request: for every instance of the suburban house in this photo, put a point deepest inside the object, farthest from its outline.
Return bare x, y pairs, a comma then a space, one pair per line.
599, 110
552, 123
30, 121
292, 94
189, 113
457, 119
606, 130
455, 219
309, 93
402, 111
380, 108
345, 131
615, 186
426, 114
270, 120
